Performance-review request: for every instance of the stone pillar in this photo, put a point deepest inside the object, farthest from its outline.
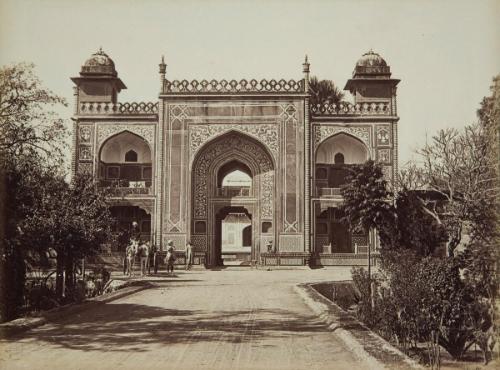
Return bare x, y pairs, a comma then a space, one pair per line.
307, 162
74, 131
160, 154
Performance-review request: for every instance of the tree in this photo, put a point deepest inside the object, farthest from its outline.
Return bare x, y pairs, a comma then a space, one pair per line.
452, 196
73, 220
28, 125
324, 92
367, 202
457, 169
31, 146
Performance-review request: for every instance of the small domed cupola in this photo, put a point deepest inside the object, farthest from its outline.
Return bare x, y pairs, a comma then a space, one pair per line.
99, 64
98, 80
371, 80
371, 64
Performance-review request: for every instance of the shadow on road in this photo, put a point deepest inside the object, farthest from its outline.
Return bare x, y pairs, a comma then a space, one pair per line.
133, 327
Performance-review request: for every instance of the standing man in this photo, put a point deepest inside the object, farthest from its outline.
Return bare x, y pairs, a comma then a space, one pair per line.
153, 259
135, 231
189, 255
131, 253
170, 258
143, 257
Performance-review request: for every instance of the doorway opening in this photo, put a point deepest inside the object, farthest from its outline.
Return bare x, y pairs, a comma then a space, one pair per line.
234, 236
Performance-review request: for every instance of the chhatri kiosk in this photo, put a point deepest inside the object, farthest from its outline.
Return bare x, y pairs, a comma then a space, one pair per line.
247, 171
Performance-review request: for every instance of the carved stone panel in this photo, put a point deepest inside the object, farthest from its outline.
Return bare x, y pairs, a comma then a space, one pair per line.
201, 134
383, 136
387, 171
384, 156
291, 243
292, 165
85, 134
85, 168
85, 153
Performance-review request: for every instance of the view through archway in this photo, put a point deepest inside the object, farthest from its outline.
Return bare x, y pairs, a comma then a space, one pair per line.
234, 236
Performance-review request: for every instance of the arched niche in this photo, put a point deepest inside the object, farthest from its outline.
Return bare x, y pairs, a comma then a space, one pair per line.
353, 150
115, 149
333, 157
125, 160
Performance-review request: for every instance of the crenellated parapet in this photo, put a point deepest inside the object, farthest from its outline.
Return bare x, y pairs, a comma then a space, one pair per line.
233, 86
345, 109
103, 108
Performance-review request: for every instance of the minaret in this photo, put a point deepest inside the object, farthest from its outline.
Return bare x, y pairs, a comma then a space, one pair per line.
163, 71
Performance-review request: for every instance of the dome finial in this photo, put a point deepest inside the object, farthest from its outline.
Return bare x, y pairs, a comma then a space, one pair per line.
305, 65
162, 65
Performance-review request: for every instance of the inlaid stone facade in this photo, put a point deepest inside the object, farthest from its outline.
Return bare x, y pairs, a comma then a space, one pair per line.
178, 148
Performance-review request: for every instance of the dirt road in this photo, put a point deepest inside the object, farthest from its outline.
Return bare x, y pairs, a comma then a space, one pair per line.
230, 319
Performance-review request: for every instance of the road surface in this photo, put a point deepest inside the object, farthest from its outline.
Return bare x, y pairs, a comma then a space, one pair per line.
229, 319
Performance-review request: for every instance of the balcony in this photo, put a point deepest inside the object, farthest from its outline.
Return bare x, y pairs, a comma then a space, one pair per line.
123, 188
233, 191
328, 192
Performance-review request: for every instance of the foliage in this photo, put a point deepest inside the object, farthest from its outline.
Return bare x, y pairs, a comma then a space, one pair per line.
31, 146
366, 198
324, 92
25, 179
451, 198
459, 182
74, 220
414, 228
420, 300
365, 311
28, 126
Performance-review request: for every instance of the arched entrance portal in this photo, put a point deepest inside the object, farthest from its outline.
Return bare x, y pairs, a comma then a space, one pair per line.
233, 188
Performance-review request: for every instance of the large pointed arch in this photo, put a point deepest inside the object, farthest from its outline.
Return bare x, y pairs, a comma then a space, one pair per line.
210, 159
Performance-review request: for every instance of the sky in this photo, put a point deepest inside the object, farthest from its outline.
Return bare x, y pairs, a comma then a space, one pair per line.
444, 52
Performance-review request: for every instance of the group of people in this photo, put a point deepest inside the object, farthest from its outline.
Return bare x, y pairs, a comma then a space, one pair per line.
149, 257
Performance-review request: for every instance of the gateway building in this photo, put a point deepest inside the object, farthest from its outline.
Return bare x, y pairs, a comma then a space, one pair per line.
248, 171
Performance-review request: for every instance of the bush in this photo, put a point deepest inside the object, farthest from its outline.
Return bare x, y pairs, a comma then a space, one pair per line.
423, 300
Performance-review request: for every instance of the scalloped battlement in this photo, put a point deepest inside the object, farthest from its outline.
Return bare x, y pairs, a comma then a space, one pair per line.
98, 108
360, 109
233, 86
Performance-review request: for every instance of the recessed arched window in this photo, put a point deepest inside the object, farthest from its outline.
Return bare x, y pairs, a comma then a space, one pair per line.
339, 158
131, 156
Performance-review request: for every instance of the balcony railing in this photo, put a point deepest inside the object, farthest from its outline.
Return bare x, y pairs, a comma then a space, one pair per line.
121, 188
345, 109
100, 108
232, 86
328, 192
233, 191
